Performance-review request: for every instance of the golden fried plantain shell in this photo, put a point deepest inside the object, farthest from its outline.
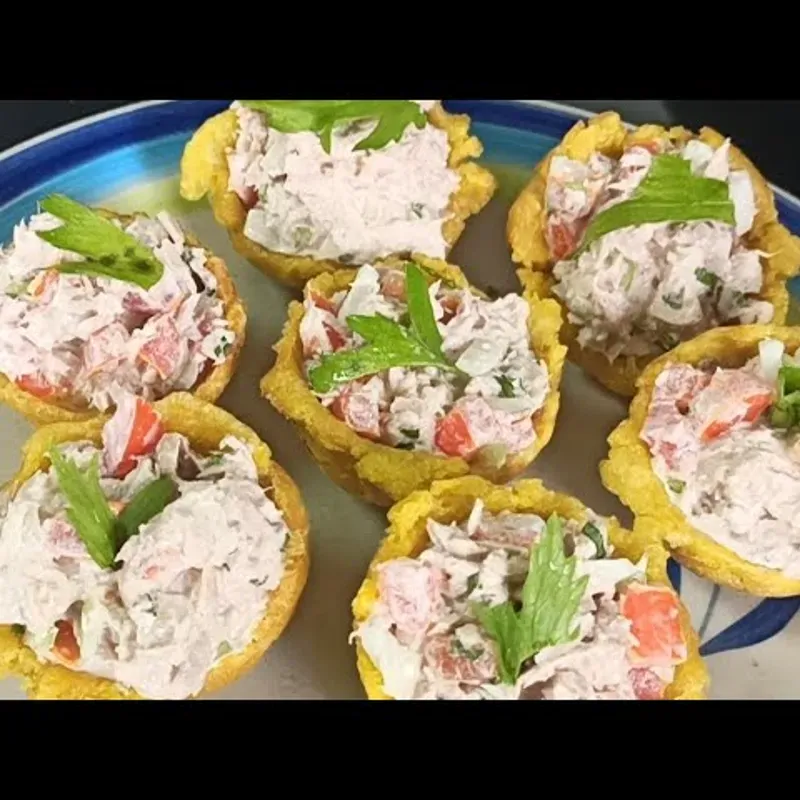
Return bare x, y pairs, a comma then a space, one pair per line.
39, 411
452, 500
204, 171
376, 472
607, 134
627, 472
204, 425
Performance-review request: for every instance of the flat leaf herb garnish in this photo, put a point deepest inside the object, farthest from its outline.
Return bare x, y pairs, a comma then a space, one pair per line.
786, 409
670, 192
322, 116
551, 596
90, 513
388, 343
108, 250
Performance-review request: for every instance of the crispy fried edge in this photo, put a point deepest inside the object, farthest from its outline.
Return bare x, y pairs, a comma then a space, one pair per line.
378, 473
39, 411
606, 134
204, 170
627, 472
204, 425
451, 501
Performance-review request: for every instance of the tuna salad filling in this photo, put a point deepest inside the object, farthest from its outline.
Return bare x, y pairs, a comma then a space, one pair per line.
144, 562
510, 607
724, 443
69, 332
425, 367
651, 248
342, 201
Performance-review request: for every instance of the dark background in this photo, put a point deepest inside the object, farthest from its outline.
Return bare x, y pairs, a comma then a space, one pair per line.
765, 129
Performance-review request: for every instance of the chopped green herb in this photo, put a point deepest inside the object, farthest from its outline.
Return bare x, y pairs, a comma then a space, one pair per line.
670, 192
670, 340
629, 275
405, 446
223, 349
214, 459
109, 251
674, 300
472, 583
706, 277
675, 485
18, 629
410, 433
87, 507
550, 599
506, 386
472, 653
302, 236
322, 116
786, 410
223, 649
417, 209
592, 532
150, 500
389, 344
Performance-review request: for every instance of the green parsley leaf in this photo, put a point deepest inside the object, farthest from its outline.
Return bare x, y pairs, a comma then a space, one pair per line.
630, 274
109, 251
550, 599
592, 532
150, 500
322, 116
706, 277
388, 343
506, 386
674, 300
670, 192
675, 485
88, 509
786, 409
420, 310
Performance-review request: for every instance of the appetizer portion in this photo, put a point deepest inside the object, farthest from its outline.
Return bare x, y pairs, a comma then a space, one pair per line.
155, 556
709, 459
516, 593
398, 373
309, 186
651, 237
93, 305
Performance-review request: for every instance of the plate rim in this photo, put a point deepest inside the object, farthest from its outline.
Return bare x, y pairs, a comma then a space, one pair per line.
565, 109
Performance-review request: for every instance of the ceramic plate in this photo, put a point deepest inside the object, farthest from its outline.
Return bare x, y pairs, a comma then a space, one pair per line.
128, 160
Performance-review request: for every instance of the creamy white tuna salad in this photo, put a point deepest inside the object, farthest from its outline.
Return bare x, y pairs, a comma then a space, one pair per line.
724, 443
651, 249
83, 337
144, 562
342, 203
423, 366
512, 607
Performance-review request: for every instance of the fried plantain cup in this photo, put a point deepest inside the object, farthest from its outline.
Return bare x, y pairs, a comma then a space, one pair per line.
607, 134
204, 171
211, 383
627, 472
378, 473
204, 425
451, 501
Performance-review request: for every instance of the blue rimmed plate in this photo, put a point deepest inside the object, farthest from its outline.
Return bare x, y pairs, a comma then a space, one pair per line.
128, 160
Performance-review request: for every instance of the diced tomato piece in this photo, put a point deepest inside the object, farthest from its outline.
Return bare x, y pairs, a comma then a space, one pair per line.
66, 645
146, 432
453, 436
334, 337
163, 352
655, 622
653, 146
453, 662
646, 684
42, 282
412, 594
322, 302
36, 385
249, 197
562, 237
393, 284
359, 410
